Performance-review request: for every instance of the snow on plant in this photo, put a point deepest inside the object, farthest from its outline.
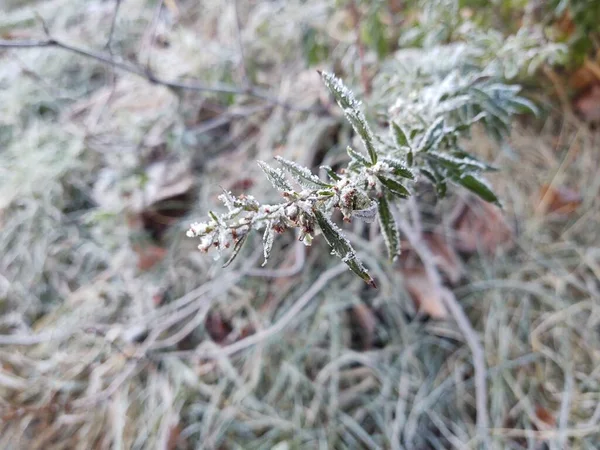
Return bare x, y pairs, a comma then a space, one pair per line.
419, 145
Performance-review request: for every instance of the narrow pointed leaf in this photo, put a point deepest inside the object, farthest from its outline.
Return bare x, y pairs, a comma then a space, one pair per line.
301, 174
236, 249
388, 227
331, 173
437, 181
394, 187
361, 127
400, 169
276, 177
523, 106
341, 246
410, 158
358, 157
343, 96
400, 136
214, 217
268, 239
458, 162
432, 134
490, 106
477, 186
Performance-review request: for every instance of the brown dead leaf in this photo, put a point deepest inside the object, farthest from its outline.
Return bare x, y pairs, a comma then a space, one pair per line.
588, 104
446, 258
149, 255
426, 297
582, 79
481, 225
545, 416
565, 24
559, 199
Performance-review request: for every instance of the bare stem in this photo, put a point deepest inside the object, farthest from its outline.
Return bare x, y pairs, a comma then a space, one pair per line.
192, 85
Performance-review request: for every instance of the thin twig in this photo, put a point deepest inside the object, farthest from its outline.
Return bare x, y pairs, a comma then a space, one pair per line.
113, 24
192, 85
413, 234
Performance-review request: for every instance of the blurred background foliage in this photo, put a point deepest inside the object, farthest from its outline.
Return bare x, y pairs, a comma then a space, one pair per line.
115, 332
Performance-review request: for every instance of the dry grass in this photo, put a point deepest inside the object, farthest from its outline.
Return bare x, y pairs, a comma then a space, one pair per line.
96, 353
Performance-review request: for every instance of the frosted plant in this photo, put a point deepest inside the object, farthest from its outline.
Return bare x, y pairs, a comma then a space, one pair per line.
366, 187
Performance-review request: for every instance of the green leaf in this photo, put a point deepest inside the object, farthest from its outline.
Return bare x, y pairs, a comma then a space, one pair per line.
389, 227
276, 177
439, 183
341, 246
432, 134
358, 157
400, 135
469, 159
458, 162
343, 96
410, 158
490, 105
477, 186
236, 249
522, 105
304, 176
331, 173
394, 186
399, 169
361, 127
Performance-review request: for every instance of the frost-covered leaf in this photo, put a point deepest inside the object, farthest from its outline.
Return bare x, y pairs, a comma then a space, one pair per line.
214, 217
361, 127
400, 136
477, 186
457, 162
399, 169
368, 214
521, 105
276, 177
301, 174
268, 239
433, 134
438, 181
490, 105
352, 110
236, 249
331, 173
388, 227
358, 157
343, 96
341, 246
394, 186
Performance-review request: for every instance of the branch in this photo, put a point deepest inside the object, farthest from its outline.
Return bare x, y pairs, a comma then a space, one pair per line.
135, 69
113, 23
413, 234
